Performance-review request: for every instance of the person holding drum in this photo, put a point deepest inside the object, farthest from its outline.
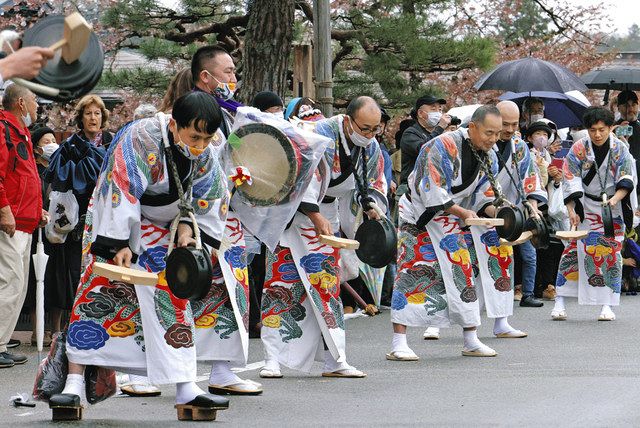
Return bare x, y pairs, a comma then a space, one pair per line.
223, 337
157, 168
599, 176
295, 327
449, 185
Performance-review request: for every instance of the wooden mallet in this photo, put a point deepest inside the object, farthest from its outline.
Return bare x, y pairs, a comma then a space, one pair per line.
75, 37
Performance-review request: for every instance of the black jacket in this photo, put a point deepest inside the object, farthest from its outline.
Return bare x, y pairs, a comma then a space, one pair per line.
410, 144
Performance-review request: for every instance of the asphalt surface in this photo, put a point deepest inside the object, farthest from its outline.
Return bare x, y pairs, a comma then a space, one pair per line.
577, 373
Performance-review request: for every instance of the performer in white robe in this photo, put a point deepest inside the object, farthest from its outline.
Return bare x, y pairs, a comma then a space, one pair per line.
437, 270
144, 329
301, 305
518, 175
591, 269
221, 318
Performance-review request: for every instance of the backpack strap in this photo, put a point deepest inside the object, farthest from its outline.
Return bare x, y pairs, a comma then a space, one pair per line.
7, 134
10, 145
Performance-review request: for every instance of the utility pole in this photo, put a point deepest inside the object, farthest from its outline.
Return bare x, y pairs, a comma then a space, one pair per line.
323, 56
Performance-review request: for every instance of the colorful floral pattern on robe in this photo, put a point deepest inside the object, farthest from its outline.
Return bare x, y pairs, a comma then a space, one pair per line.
602, 264
103, 310
216, 310
419, 280
500, 260
438, 170
459, 258
377, 185
283, 295
524, 170
594, 263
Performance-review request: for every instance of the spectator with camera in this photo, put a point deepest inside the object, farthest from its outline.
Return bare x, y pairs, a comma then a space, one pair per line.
628, 128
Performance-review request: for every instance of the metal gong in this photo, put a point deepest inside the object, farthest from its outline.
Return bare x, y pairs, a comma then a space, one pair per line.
73, 80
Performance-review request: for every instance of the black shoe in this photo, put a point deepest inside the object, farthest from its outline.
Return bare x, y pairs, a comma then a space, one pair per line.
17, 359
210, 401
6, 362
13, 343
64, 400
531, 302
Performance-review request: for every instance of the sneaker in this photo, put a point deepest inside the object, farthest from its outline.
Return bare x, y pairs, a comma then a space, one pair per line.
16, 358
549, 293
517, 294
13, 343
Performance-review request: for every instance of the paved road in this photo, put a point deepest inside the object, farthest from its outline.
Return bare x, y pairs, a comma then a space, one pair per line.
578, 373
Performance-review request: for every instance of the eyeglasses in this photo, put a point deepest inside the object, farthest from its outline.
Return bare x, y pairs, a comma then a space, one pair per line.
366, 130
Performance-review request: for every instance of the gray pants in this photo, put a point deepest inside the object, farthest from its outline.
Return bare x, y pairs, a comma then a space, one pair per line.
15, 256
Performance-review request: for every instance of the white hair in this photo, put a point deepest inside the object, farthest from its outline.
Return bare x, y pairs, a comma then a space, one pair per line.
144, 110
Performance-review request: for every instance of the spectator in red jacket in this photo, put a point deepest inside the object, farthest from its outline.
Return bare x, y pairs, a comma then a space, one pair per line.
20, 209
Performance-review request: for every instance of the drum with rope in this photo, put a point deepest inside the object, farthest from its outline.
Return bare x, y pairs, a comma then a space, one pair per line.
272, 158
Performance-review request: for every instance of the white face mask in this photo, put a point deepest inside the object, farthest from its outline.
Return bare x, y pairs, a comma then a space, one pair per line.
279, 115
579, 135
433, 118
540, 142
357, 139
27, 120
535, 117
48, 150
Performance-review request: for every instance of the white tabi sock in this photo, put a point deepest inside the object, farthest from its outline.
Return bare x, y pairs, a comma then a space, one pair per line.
74, 385
399, 343
471, 341
272, 364
141, 380
222, 375
187, 391
331, 365
606, 309
559, 305
501, 325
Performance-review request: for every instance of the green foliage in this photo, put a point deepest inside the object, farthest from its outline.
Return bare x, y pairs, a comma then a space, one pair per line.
523, 20
392, 45
399, 49
140, 80
155, 48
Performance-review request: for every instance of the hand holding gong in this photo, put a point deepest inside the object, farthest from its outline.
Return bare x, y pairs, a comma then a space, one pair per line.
185, 236
25, 63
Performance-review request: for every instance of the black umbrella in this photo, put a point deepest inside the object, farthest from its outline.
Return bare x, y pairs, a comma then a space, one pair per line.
530, 74
614, 78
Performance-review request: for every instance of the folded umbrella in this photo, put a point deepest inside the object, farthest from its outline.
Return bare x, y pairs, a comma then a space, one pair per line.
39, 268
564, 110
530, 74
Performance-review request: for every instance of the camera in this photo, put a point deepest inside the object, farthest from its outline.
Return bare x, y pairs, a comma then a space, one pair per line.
624, 131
